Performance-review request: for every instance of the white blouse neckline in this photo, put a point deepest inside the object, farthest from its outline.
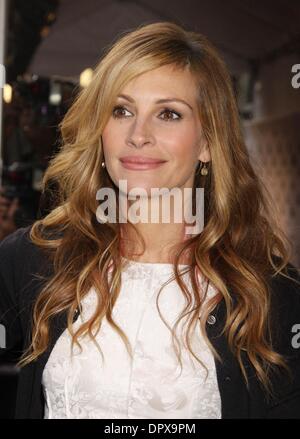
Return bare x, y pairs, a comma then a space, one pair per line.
149, 264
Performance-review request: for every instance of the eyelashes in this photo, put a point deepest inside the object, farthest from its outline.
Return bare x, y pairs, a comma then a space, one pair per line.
164, 111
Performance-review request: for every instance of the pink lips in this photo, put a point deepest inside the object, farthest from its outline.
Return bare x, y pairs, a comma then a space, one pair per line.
140, 159
140, 163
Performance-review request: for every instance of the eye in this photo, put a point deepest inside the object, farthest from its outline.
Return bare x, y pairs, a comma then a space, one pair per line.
116, 110
117, 113
169, 111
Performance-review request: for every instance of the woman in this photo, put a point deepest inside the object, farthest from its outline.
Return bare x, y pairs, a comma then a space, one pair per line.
153, 319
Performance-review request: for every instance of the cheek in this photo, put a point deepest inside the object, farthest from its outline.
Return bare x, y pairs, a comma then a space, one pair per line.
183, 148
111, 141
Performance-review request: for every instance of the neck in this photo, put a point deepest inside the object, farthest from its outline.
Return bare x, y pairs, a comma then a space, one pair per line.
161, 242
162, 236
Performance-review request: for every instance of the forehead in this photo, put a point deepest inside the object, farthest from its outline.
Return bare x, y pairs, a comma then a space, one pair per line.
165, 81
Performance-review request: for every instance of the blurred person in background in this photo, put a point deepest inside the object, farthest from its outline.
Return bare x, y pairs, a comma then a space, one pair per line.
8, 210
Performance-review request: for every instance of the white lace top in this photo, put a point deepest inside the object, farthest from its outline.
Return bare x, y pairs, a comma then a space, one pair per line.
149, 386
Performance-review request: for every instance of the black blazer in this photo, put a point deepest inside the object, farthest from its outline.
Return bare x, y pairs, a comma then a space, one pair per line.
20, 261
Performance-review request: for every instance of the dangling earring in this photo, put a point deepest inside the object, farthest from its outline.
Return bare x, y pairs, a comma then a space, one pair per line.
198, 168
204, 170
103, 165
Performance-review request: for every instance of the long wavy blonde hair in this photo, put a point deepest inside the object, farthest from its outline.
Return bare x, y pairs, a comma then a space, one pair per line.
240, 235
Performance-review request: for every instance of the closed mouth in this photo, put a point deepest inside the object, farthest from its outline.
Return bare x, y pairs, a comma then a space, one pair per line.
141, 160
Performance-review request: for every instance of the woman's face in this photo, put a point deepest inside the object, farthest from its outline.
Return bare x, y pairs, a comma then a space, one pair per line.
142, 127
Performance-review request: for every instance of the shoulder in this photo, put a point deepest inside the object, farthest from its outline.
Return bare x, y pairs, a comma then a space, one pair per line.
19, 245
15, 245
285, 309
20, 257
286, 289
14, 239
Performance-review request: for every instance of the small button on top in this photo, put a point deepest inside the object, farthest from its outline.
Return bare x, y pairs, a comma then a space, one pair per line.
227, 378
211, 320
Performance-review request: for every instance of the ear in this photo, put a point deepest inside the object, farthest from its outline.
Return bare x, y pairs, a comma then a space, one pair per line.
204, 154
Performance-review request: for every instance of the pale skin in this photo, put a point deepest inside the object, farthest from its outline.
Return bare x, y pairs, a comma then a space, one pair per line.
169, 131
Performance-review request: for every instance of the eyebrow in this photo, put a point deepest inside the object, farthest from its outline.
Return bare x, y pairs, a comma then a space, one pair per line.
159, 101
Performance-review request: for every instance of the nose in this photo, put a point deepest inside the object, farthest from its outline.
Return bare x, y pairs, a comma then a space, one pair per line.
140, 134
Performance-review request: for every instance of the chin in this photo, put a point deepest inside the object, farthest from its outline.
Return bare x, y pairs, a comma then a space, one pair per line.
136, 185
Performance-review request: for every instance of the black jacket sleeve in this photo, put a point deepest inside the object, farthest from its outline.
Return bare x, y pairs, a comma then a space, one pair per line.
286, 340
11, 336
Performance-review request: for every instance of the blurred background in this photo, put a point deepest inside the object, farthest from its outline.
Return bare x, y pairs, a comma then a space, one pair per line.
49, 48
